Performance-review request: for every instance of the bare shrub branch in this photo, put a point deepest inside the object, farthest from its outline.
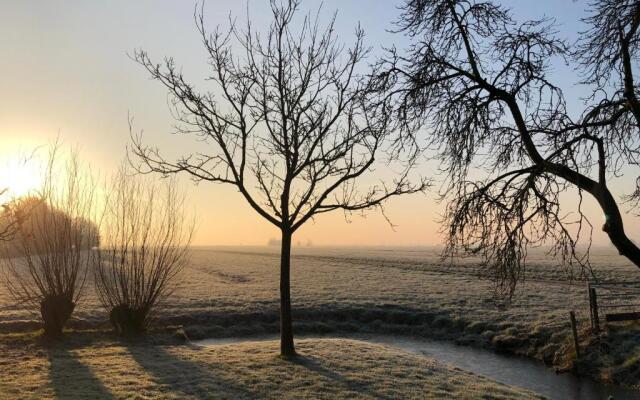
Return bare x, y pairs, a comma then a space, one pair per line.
145, 241
47, 261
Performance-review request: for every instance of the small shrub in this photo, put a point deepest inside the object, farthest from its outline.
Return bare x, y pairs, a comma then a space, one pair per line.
476, 327
56, 309
47, 260
442, 321
145, 247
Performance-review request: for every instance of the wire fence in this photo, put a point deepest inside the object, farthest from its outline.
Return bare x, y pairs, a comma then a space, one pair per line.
613, 301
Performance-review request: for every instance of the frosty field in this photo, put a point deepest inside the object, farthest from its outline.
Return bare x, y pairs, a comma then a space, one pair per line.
230, 292
326, 368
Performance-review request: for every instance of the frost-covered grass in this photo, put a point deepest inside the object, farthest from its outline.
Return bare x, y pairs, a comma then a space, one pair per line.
325, 369
229, 292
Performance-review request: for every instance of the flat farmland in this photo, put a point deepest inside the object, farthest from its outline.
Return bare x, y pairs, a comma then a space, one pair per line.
233, 291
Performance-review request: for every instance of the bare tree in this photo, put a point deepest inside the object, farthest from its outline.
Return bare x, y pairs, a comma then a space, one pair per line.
47, 260
608, 53
145, 241
10, 219
288, 126
478, 81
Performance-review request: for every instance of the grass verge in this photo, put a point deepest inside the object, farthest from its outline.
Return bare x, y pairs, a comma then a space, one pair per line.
161, 368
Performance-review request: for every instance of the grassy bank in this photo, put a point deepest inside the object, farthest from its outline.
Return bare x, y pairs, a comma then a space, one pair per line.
234, 292
326, 368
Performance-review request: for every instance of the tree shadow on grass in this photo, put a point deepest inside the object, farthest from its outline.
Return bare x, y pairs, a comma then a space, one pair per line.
71, 379
356, 386
188, 378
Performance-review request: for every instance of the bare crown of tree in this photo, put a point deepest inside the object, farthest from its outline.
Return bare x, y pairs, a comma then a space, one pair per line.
479, 81
289, 120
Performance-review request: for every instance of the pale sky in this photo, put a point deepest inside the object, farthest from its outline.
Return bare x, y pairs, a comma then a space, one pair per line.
64, 71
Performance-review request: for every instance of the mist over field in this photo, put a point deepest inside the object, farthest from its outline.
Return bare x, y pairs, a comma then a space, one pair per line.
232, 291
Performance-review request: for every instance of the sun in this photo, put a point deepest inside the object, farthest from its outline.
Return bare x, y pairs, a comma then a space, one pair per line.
19, 178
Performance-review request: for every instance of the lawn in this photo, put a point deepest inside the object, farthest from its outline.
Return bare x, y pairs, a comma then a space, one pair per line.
325, 369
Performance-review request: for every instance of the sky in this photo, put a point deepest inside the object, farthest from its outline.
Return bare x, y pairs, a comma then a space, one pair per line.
65, 72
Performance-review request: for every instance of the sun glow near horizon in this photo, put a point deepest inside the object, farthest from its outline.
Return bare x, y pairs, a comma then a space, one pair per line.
87, 103
19, 177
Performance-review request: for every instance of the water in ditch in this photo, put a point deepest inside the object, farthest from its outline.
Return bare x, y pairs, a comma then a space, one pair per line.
510, 370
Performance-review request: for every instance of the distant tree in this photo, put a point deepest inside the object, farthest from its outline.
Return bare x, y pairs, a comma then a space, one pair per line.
10, 218
29, 210
289, 126
145, 243
47, 260
478, 82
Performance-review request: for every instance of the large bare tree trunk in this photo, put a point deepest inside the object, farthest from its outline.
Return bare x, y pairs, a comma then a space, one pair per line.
614, 224
287, 348
614, 228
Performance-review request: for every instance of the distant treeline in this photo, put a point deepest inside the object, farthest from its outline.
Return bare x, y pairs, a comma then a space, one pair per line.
41, 227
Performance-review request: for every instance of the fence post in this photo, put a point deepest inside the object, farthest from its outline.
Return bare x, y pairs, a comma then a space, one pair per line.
596, 319
590, 304
574, 329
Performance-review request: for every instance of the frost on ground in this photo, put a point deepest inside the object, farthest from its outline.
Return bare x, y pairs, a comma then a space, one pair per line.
228, 292
326, 369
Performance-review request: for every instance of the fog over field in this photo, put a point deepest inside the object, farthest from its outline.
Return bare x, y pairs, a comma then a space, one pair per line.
244, 279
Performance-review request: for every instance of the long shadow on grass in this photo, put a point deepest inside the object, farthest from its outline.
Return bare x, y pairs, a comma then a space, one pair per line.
186, 377
71, 379
352, 385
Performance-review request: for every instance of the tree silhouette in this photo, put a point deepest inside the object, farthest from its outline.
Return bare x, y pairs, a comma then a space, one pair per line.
146, 240
478, 80
47, 261
289, 126
10, 219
